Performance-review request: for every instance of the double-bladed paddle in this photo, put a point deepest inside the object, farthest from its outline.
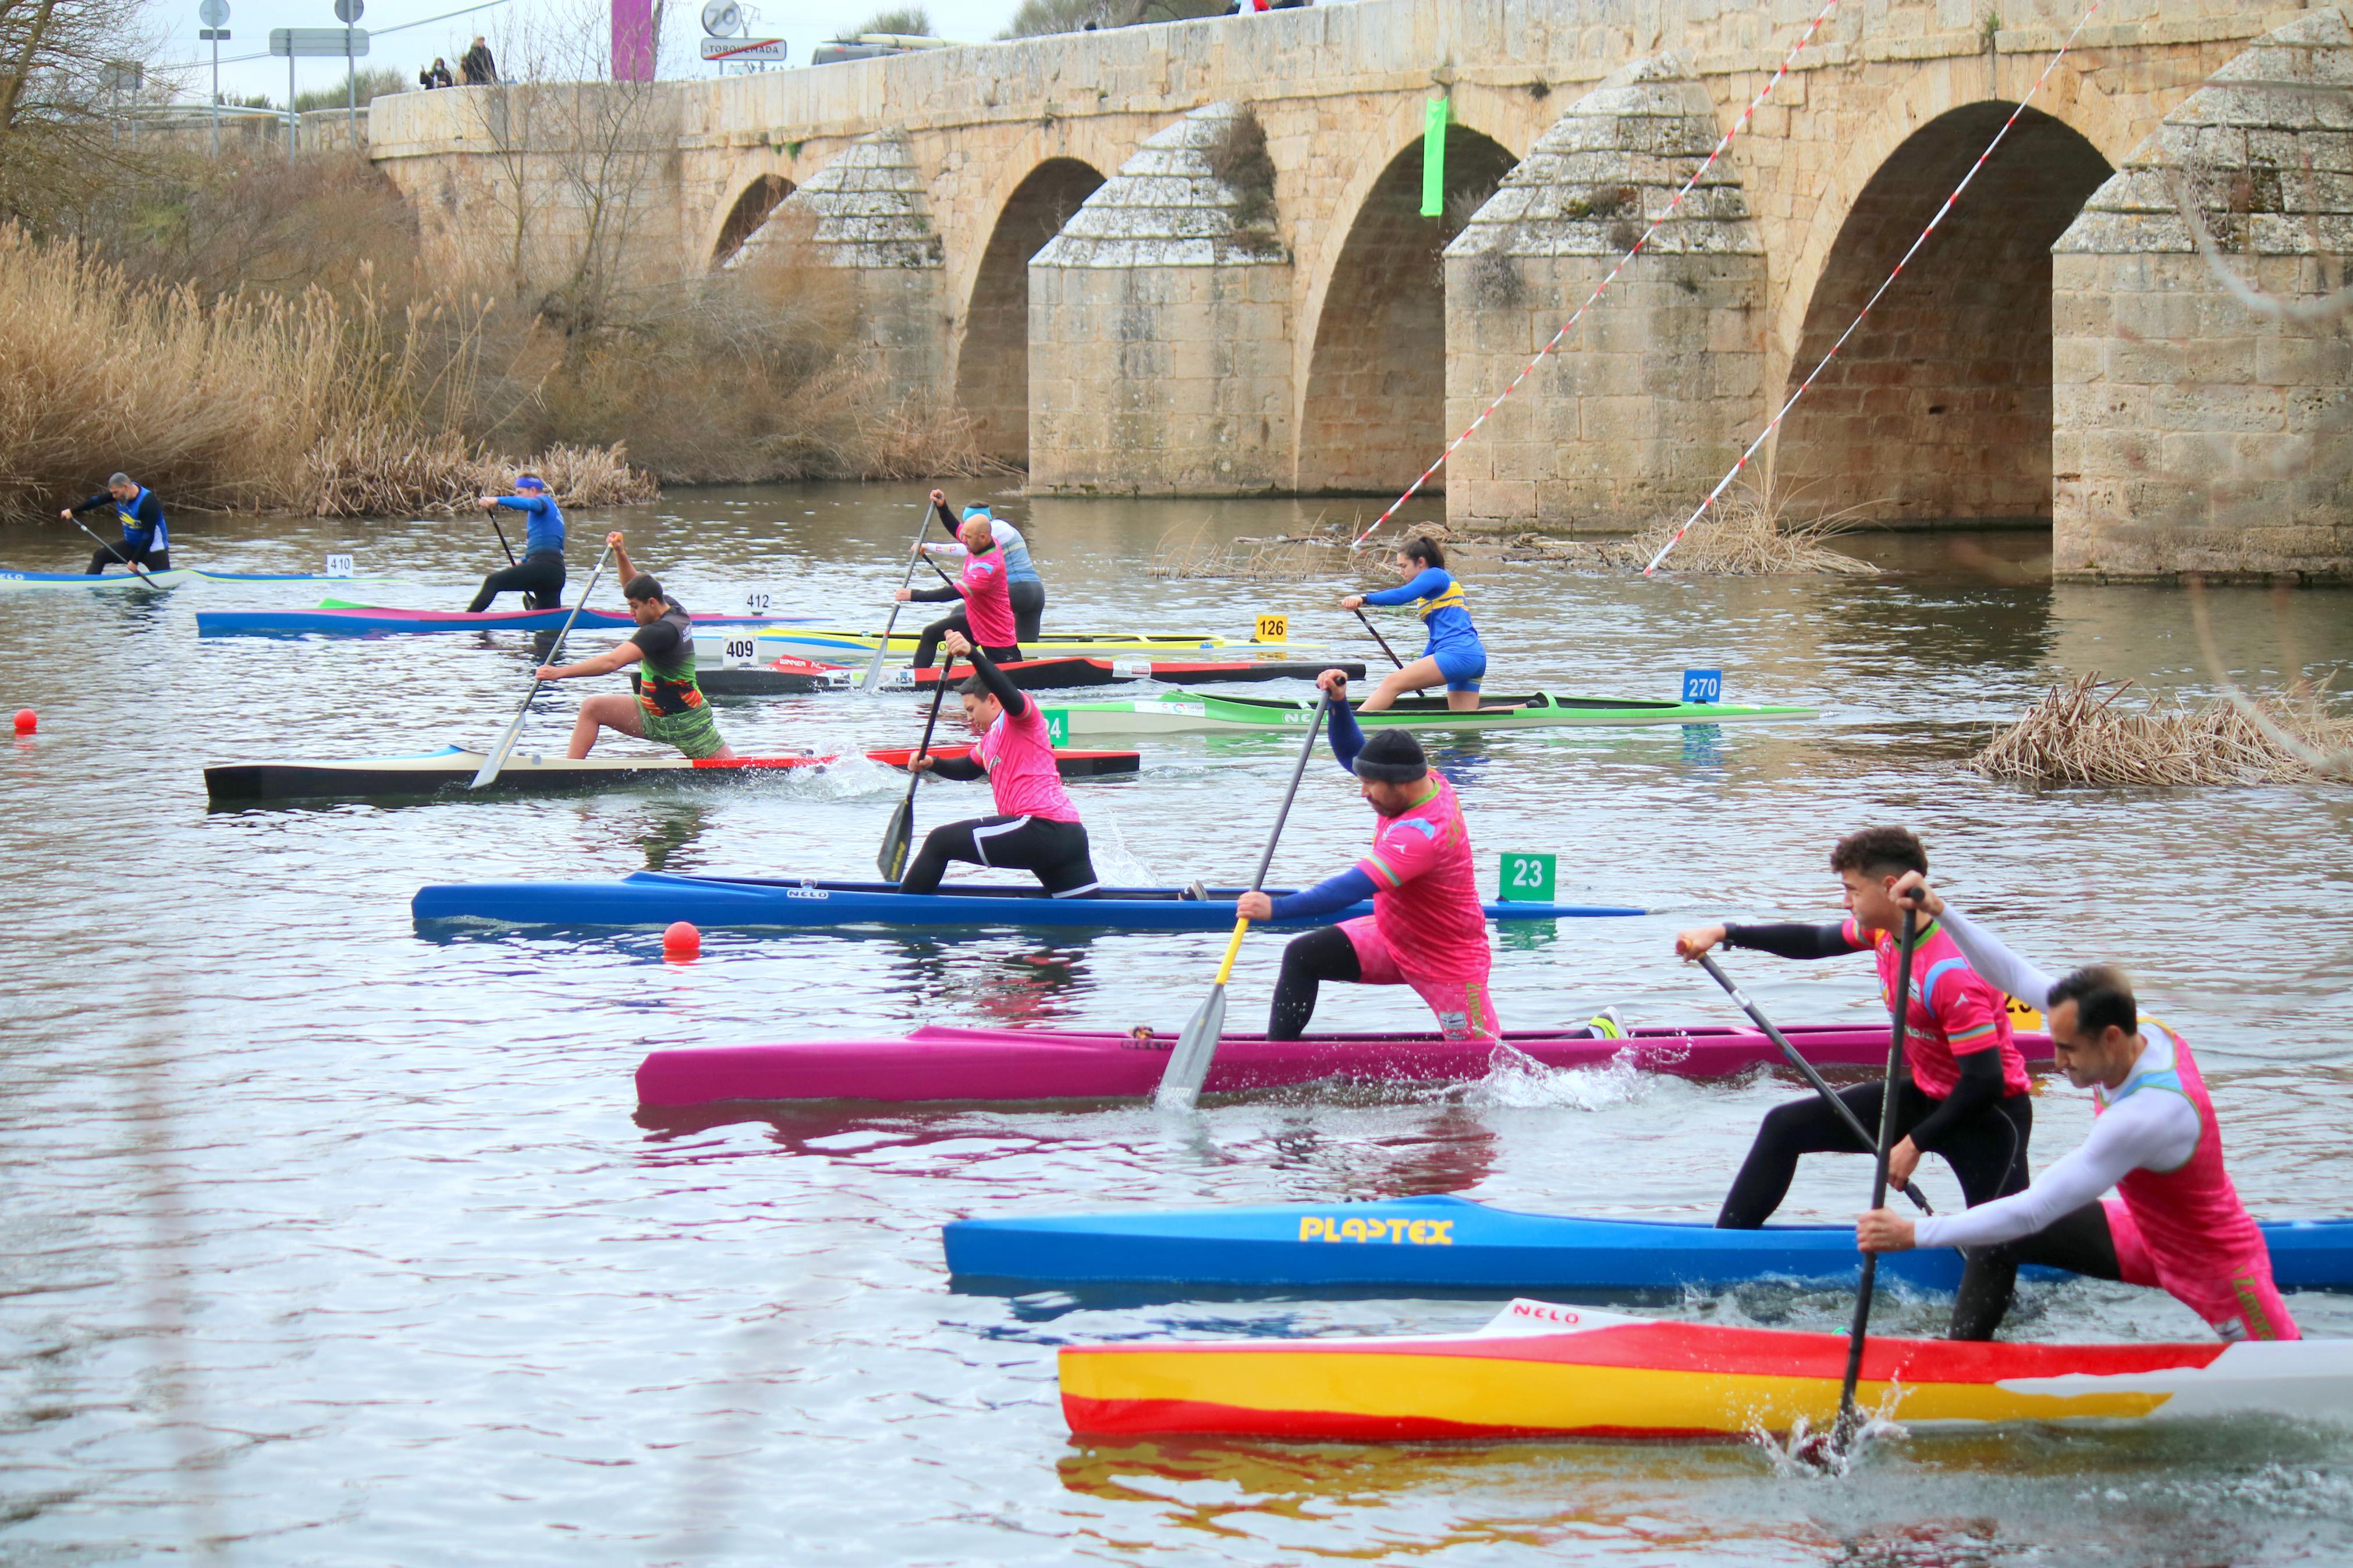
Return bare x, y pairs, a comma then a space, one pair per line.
497, 757
882, 644
1188, 1064
1846, 1112
116, 551
897, 838
1847, 1421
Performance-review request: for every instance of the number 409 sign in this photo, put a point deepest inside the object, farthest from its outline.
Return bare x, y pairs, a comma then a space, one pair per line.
1527, 878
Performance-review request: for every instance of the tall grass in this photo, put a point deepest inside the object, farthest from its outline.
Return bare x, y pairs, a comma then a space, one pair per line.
2076, 735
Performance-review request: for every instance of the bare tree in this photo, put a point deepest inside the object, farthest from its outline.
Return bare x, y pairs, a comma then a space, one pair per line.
55, 142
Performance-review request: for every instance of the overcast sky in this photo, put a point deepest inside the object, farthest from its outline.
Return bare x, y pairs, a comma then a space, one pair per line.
803, 25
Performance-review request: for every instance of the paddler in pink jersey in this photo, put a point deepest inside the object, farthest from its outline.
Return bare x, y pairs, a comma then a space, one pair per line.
1036, 827
1428, 929
2174, 1222
986, 617
1966, 1096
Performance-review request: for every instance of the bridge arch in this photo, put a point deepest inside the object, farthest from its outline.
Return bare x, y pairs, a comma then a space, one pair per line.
751, 208
1372, 408
992, 376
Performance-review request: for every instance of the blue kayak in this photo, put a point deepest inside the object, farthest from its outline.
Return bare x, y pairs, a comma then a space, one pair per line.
658, 897
1402, 1247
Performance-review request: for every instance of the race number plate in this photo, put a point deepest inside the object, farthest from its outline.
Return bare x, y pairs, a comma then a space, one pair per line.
1058, 726
1702, 686
1527, 878
339, 565
1273, 628
741, 653
757, 601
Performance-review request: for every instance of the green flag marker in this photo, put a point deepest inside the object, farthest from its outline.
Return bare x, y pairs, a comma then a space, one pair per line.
1433, 158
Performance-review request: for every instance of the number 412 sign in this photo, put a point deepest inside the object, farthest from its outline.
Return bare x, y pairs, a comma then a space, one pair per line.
1527, 878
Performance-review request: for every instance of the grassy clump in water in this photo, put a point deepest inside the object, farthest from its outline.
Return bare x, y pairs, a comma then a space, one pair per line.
2076, 735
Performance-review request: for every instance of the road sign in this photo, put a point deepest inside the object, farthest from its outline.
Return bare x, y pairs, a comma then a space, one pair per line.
743, 49
213, 13
350, 11
122, 76
306, 42
722, 18
213, 34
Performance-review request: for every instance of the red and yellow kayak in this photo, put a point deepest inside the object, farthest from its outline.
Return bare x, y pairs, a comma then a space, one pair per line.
1541, 1370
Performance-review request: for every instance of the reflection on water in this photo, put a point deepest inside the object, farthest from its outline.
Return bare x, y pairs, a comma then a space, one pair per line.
330, 1240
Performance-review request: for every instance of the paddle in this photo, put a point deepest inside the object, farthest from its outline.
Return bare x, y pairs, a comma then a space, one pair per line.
136, 569
896, 838
502, 538
1378, 638
882, 644
497, 757
1846, 1112
1188, 1064
1847, 1419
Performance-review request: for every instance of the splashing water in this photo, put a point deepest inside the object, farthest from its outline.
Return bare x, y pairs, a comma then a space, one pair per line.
1517, 1081
1804, 1453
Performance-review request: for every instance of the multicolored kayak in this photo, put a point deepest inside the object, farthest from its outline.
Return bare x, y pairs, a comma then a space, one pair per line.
337, 619
1199, 711
1416, 1247
778, 637
150, 581
451, 771
937, 1063
1542, 1371
790, 675
655, 898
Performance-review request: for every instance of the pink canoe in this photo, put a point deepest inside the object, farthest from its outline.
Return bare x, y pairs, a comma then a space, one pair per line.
937, 1063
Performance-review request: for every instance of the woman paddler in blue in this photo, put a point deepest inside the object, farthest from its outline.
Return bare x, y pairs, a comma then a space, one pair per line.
1454, 656
539, 575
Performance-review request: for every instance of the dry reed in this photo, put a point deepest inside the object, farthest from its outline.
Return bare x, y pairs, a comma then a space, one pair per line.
1749, 533
2075, 736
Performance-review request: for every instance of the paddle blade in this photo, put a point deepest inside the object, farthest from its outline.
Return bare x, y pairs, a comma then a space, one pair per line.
874, 665
497, 757
891, 861
1188, 1064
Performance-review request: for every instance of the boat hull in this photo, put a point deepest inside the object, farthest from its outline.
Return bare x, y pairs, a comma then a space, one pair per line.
1545, 1370
109, 582
1192, 712
1444, 1245
371, 621
790, 676
654, 898
937, 1063
856, 647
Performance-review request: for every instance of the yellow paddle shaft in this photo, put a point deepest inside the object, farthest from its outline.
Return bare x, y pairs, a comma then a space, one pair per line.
1233, 949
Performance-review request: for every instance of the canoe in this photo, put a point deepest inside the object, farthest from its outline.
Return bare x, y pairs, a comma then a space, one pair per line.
1543, 1370
451, 771
789, 675
937, 1063
335, 619
658, 897
138, 583
1416, 1247
856, 647
1196, 710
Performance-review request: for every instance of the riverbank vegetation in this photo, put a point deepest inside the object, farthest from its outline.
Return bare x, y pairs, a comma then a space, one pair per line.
2077, 735
1750, 532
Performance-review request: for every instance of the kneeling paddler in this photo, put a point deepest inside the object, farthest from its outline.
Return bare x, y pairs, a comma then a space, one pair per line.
668, 707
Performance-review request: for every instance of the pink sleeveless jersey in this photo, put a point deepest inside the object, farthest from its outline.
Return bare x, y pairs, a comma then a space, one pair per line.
1425, 894
2186, 1230
1954, 1011
1021, 771
987, 602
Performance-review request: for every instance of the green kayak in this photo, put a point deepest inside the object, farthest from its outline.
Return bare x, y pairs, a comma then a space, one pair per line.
1200, 712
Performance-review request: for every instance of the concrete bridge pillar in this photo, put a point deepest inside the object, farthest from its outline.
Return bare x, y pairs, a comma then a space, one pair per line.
2200, 422
1160, 324
1649, 400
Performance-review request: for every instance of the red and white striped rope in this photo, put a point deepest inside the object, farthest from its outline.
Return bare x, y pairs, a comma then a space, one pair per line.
1565, 327
1765, 435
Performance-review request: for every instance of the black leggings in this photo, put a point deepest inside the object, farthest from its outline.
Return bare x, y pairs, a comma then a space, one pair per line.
539, 576
107, 555
2079, 1240
1308, 961
1029, 609
1987, 1153
927, 648
1055, 851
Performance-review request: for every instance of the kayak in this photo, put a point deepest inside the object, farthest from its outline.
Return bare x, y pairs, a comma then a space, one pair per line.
790, 676
937, 1063
1416, 1246
337, 619
1543, 1370
1194, 710
658, 897
172, 578
451, 771
858, 647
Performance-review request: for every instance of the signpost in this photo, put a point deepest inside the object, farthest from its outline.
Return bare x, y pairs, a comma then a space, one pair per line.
117, 77
317, 42
214, 14
737, 51
349, 12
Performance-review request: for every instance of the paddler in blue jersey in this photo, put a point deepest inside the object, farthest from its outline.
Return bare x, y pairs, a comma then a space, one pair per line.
539, 575
146, 541
1022, 584
1454, 656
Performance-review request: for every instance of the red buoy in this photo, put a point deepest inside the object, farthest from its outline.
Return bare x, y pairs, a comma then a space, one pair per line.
26, 720
681, 940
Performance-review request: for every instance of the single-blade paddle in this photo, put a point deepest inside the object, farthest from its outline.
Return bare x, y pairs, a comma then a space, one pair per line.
502, 538
115, 551
882, 644
1378, 638
497, 757
1848, 1422
1846, 1112
897, 838
1188, 1064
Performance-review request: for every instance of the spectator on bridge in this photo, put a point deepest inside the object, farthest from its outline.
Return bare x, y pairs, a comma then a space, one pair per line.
480, 70
437, 75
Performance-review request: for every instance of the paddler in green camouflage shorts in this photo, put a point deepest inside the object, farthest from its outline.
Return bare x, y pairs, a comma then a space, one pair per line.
668, 706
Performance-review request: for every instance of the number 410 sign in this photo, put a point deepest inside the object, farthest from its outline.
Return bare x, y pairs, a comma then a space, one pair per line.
1527, 878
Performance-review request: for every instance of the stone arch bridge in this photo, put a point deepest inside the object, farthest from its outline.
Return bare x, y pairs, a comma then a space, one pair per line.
1191, 259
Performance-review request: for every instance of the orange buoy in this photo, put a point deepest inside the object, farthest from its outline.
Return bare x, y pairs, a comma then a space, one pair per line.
681, 940
26, 720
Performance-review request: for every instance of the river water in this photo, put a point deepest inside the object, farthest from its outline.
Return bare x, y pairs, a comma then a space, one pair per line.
331, 1242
